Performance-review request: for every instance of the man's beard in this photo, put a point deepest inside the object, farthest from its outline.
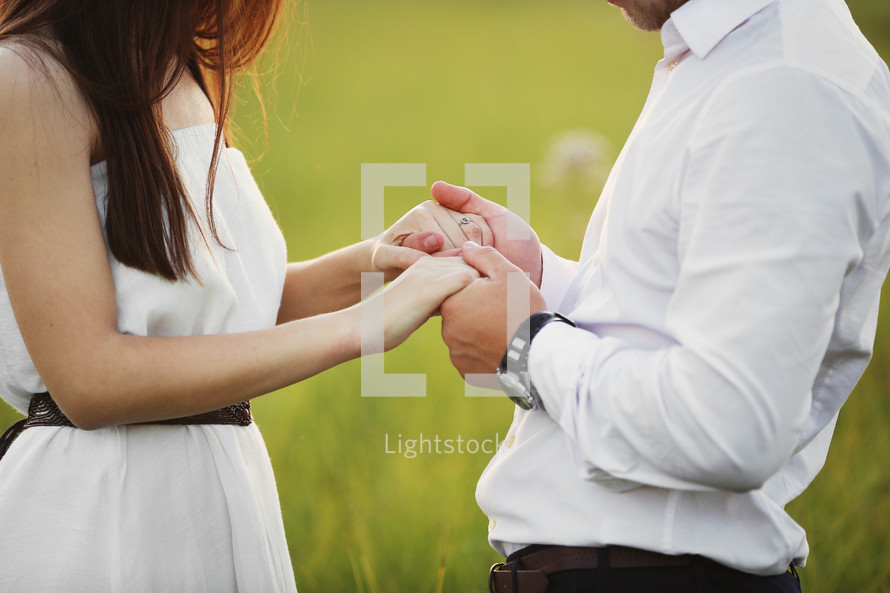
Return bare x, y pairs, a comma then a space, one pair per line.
653, 16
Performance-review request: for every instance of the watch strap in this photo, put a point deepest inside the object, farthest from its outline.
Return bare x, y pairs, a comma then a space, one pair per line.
513, 372
538, 320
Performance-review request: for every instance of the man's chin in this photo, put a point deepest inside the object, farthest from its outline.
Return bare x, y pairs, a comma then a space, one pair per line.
642, 22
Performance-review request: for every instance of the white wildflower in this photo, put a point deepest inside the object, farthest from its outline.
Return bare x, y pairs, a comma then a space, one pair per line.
577, 156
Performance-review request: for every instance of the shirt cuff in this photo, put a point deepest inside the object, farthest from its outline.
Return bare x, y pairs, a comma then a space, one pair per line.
556, 275
555, 362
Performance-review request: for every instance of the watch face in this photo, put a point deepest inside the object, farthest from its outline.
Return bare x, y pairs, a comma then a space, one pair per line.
516, 390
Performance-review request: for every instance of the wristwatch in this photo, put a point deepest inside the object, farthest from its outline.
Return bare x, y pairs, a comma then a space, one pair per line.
513, 376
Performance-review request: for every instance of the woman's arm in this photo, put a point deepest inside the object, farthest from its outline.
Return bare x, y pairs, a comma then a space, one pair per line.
59, 281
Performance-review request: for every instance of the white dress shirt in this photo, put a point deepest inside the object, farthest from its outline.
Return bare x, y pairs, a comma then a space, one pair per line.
726, 298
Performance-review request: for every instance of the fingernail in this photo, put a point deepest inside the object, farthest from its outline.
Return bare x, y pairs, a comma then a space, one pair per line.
429, 242
471, 244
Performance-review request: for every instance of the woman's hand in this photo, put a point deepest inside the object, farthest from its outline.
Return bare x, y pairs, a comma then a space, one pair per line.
427, 228
416, 295
333, 282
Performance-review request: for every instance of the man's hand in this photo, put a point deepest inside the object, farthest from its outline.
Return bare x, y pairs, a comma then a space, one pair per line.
426, 229
524, 253
474, 321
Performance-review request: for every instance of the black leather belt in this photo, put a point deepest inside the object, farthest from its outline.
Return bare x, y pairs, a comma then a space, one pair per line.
528, 573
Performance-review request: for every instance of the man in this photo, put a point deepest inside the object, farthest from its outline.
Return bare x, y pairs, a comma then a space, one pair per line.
723, 308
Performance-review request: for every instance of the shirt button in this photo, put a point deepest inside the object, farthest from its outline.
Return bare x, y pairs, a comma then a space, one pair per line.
510, 440
672, 65
596, 258
491, 525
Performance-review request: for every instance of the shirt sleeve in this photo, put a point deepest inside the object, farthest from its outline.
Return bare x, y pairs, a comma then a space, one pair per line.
557, 274
777, 199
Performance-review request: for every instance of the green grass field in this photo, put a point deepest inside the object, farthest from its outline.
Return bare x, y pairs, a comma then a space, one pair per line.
447, 84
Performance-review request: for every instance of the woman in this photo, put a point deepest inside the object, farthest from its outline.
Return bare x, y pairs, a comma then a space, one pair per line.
144, 287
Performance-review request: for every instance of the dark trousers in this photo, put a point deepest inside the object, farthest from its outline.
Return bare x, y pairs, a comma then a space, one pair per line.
705, 577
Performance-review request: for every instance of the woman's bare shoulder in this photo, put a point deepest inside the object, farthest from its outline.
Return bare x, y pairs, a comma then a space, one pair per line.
38, 93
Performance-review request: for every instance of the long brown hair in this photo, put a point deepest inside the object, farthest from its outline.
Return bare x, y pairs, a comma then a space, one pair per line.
120, 54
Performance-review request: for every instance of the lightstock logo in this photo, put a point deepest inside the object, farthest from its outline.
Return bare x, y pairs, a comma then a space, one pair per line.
376, 177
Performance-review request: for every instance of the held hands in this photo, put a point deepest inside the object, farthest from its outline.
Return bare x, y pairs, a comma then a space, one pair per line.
417, 294
474, 321
474, 311
425, 229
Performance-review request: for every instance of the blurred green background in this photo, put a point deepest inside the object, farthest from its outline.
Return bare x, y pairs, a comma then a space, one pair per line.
480, 81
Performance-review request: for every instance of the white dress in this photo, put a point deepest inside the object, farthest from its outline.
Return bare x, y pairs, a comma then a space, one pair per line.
155, 508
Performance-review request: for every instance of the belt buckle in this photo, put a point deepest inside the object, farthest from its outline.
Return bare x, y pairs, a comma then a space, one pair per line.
493, 568
515, 579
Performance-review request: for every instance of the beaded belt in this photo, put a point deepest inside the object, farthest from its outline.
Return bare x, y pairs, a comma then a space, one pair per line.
43, 411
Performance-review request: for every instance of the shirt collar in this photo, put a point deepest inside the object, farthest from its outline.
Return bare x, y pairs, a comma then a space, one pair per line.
702, 24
